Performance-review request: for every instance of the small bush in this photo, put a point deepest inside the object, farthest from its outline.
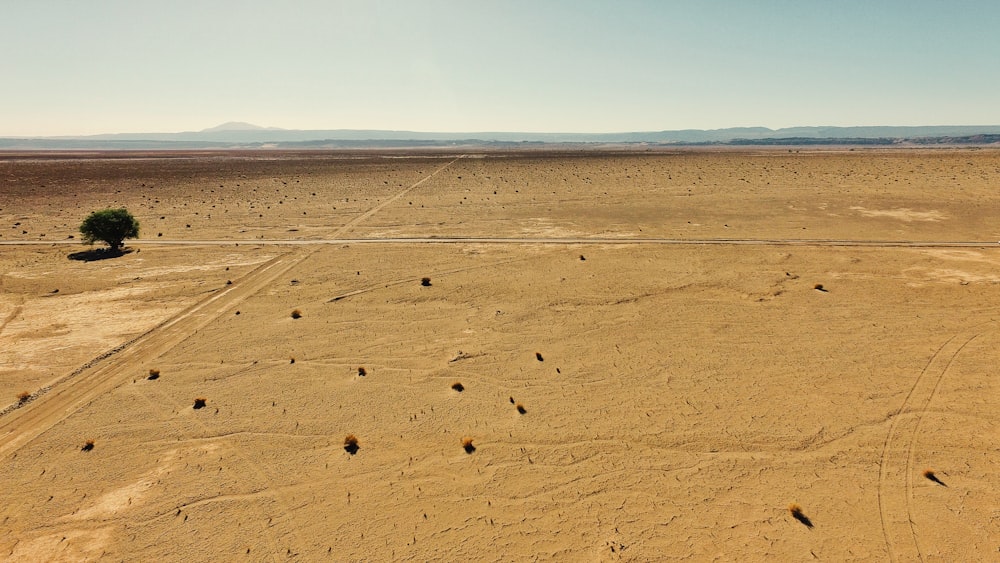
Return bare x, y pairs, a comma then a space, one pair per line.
426, 282
351, 444
457, 386
296, 314
467, 445
23, 397
200, 402
87, 446
362, 372
154, 374
538, 356
520, 408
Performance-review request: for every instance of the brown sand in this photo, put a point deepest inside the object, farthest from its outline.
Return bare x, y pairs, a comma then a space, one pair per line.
689, 393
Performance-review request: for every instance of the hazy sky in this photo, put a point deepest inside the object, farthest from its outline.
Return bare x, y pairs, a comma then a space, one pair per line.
102, 66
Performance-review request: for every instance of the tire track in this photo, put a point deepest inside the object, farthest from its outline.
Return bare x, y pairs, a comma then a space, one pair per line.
913, 440
895, 481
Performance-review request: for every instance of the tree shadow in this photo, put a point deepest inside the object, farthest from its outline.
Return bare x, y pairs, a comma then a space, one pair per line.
98, 254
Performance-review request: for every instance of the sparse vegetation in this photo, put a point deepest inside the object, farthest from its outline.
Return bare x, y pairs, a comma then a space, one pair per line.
457, 386
467, 445
426, 282
520, 408
538, 356
296, 314
200, 403
362, 372
153, 374
351, 444
111, 226
819, 287
88, 445
23, 397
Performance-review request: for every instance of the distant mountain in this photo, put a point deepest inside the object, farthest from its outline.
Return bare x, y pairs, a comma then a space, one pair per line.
237, 134
238, 126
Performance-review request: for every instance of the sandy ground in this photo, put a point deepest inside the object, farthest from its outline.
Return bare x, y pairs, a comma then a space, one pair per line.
631, 401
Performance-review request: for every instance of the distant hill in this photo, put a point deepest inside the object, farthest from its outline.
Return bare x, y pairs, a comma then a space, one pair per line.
237, 134
238, 126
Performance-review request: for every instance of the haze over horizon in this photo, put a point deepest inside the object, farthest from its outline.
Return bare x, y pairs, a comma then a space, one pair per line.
447, 66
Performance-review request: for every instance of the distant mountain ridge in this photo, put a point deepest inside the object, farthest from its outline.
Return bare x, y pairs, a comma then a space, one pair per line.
238, 126
236, 134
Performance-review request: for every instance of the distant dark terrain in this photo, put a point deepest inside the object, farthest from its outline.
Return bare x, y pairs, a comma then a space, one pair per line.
246, 136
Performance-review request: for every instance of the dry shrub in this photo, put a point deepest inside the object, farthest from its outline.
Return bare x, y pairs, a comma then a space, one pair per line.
538, 356
154, 374
467, 445
23, 396
351, 444
87, 446
520, 408
200, 402
291, 360
457, 386
426, 282
296, 314
362, 372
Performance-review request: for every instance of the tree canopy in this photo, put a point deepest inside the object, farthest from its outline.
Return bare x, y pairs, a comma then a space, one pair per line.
111, 226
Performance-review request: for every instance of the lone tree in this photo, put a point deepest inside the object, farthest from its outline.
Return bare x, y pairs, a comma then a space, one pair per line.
112, 226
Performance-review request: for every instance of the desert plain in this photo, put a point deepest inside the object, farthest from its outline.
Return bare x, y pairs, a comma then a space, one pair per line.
618, 355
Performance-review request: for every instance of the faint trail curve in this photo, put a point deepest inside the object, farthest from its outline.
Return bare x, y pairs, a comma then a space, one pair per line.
913, 439
233, 450
383, 285
13, 315
895, 480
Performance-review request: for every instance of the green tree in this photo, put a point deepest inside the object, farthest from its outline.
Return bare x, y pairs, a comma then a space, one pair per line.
112, 226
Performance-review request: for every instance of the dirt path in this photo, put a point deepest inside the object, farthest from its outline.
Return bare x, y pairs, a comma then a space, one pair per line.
22, 422
51, 404
538, 240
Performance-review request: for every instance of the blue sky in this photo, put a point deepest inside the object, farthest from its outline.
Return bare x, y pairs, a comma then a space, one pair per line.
72, 67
